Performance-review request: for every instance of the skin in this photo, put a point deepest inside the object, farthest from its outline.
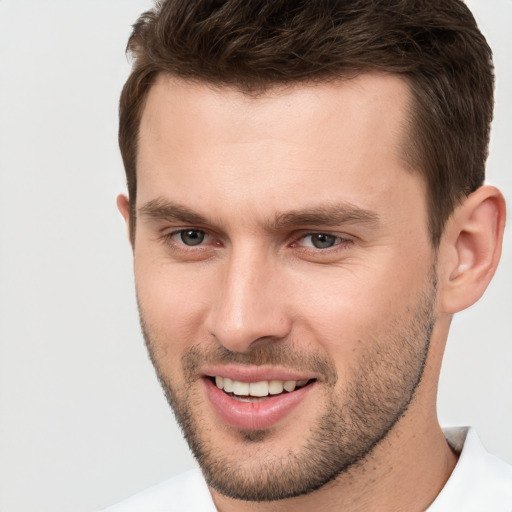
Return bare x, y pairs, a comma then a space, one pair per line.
256, 286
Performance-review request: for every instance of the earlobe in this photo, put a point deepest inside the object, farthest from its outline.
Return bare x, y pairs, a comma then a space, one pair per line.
473, 239
123, 205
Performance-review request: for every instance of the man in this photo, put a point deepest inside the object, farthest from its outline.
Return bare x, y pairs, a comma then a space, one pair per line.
307, 212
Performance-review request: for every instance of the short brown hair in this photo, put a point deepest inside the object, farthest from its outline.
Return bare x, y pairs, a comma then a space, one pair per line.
255, 44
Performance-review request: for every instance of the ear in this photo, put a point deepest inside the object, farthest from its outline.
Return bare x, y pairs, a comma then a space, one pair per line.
123, 205
471, 248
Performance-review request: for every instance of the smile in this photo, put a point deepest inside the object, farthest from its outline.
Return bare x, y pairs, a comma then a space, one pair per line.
258, 404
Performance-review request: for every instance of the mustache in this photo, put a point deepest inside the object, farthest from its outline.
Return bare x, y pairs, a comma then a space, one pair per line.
272, 354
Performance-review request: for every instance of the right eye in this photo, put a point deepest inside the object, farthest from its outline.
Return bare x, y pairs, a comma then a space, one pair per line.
189, 237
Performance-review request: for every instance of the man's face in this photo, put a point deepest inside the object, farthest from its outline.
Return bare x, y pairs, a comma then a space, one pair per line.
282, 251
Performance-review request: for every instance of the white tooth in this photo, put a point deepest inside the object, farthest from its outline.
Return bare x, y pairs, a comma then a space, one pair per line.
289, 385
228, 385
258, 388
301, 383
219, 381
240, 388
275, 387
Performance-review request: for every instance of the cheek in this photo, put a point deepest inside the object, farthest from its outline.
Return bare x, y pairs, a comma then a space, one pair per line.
173, 305
345, 310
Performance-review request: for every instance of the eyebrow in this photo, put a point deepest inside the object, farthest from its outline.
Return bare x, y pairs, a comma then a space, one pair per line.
329, 215
164, 210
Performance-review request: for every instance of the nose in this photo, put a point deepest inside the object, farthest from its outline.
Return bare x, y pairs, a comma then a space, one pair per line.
250, 307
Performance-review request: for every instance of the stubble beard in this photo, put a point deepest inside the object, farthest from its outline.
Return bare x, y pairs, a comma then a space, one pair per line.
355, 419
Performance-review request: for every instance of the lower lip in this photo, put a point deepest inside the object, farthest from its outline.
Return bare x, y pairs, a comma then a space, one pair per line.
258, 415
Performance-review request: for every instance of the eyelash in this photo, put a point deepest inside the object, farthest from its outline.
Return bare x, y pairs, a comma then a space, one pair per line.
338, 240
169, 239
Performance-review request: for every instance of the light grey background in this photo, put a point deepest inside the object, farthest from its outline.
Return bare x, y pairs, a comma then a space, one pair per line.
83, 422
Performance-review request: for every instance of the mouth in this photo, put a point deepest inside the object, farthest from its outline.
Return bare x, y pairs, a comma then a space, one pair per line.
256, 404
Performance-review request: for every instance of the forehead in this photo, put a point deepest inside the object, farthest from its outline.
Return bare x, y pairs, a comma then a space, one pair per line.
288, 145
199, 112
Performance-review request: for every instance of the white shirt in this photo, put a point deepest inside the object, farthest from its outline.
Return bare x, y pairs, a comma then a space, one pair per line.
480, 482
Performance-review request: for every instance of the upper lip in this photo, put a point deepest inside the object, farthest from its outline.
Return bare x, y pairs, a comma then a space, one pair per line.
244, 373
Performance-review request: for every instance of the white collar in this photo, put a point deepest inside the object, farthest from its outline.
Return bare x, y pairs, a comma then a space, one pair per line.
480, 481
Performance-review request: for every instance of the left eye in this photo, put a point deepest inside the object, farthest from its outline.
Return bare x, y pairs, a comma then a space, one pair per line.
320, 240
190, 236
